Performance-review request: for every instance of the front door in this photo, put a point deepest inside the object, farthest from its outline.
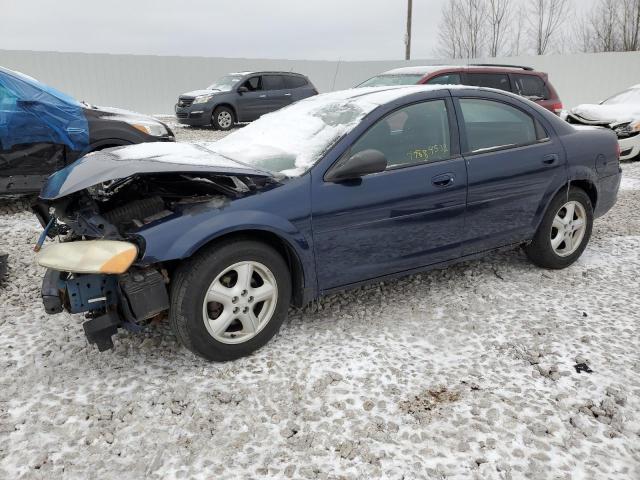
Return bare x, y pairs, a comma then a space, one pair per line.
28, 150
514, 167
253, 103
406, 217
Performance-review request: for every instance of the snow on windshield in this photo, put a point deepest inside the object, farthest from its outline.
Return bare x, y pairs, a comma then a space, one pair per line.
182, 153
226, 83
292, 139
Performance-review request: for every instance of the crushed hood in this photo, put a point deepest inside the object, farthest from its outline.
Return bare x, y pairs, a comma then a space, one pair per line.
608, 113
146, 158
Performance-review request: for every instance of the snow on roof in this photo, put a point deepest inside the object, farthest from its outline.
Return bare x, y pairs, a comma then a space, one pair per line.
419, 70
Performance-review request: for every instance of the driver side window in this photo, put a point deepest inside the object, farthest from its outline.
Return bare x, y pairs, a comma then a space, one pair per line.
415, 134
253, 84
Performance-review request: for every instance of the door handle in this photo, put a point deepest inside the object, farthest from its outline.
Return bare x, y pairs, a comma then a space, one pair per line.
444, 180
550, 159
262, 96
287, 94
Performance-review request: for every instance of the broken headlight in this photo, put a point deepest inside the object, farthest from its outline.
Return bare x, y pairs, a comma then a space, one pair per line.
628, 129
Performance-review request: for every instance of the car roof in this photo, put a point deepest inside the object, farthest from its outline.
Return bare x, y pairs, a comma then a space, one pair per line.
263, 72
428, 69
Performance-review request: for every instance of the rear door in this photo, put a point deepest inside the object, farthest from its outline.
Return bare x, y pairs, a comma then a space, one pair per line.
278, 95
299, 87
515, 164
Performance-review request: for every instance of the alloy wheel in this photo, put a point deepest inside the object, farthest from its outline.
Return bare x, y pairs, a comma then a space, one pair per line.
224, 119
568, 228
240, 302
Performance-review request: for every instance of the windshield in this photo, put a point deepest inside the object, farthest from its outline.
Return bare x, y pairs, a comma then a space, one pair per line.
291, 140
628, 96
389, 80
226, 83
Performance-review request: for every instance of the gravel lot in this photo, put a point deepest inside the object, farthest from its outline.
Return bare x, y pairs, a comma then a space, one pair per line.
466, 372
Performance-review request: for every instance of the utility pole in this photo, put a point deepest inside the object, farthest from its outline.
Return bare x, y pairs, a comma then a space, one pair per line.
407, 38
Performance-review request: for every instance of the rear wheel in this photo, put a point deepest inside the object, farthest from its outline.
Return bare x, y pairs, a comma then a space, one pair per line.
223, 118
230, 300
564, 232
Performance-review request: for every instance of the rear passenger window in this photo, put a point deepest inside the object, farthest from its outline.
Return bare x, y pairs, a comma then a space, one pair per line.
415, 134
446, 79
530, 86
292, 81
490, 80
494, 125
273, 82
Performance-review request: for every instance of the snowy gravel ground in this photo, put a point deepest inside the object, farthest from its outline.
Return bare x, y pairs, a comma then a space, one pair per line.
460, 373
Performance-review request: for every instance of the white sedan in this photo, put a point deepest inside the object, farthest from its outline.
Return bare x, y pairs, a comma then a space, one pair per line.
621, 113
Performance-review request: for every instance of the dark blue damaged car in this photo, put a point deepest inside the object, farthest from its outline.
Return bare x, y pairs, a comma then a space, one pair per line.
328, 193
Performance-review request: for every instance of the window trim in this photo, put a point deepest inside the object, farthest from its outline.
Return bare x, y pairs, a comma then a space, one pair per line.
464, 141
453, 130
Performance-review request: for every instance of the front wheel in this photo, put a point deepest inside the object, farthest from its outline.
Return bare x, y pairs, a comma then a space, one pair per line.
223, 118
230, 299
564, 231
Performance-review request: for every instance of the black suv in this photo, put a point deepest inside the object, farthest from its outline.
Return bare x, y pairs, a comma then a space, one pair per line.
242, 97
42, 130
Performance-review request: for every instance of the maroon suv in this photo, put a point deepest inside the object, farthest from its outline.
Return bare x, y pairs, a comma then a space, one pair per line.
524, 81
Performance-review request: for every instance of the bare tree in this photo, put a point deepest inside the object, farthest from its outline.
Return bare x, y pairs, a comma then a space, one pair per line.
610, 26
630, 25
498, 19
462, 33
545, 19
450, 33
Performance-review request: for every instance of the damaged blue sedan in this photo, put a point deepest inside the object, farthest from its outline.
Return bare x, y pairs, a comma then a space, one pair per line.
329, 193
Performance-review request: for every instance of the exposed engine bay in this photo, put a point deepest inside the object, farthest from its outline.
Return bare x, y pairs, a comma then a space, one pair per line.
114, 210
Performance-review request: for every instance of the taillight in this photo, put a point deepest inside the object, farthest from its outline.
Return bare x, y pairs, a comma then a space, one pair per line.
618, 151
557, 108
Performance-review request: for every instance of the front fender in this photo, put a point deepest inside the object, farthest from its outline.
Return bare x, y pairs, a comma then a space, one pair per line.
181, 235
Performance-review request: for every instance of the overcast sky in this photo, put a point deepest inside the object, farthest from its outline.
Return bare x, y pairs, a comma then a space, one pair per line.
298, 29
291, 29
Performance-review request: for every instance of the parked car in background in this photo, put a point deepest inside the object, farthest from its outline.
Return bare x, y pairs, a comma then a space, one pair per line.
620, 113
331, 192
242, 97
42, 130
523, 81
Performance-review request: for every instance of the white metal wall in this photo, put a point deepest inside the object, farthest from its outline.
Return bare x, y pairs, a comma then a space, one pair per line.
151, 84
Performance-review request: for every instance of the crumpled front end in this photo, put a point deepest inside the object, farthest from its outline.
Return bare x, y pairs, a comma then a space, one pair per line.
97, 267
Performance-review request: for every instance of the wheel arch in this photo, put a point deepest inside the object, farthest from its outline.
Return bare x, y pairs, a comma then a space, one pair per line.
229, 106
299, 287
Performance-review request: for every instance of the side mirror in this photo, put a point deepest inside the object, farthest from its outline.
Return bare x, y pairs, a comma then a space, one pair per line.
242, 90
358, 165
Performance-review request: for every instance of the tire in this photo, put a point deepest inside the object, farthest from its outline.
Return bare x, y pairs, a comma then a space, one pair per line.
223, 119
559, 242
199, 325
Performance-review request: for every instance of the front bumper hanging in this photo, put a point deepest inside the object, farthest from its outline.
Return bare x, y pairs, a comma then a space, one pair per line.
109, 302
